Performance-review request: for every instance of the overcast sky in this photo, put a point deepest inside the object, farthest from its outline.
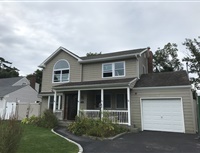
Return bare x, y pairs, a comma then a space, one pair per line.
31, 31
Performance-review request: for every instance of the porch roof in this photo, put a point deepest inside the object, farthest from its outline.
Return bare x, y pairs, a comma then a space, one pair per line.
97, 84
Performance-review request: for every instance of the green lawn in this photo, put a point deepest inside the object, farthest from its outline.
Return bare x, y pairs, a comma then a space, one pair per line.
41, 140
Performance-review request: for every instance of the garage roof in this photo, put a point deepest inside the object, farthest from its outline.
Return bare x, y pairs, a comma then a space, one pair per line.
6, 85
177, 78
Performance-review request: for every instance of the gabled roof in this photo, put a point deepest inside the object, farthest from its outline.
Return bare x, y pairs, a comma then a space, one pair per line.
97, 58
6, 85
42, 65
98, 83
113, 55
178, 78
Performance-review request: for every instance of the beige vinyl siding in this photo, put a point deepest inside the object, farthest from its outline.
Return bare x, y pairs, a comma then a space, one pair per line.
75, 71
93, 71
184, 93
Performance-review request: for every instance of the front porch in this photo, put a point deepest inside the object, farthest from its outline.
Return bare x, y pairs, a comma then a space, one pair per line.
113, 104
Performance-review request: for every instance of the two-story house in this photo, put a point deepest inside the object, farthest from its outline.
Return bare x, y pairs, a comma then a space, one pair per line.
120, 84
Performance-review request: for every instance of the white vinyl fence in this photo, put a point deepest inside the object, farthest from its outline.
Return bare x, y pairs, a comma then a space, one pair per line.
20, 110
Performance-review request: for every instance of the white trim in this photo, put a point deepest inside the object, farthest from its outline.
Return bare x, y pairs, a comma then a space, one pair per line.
54, 101
129, 106
108, 58
138, 68
113, 69
49, 101
144, 51
79, 146
43, 64
156, 98
162, 87
102, 101
79, 99
132, 81
61, 70
95, 86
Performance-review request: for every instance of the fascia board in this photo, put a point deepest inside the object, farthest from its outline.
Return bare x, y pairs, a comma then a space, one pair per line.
162, 87
43, 64
108, 58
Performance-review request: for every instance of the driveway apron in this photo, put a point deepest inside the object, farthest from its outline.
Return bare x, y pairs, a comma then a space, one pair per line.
142, 142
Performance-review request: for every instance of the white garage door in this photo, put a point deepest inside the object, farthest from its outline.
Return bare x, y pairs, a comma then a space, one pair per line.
162, 115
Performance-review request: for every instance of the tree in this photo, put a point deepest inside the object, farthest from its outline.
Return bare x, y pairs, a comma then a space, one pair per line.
6, 70
93, 54
192, 58
166, 59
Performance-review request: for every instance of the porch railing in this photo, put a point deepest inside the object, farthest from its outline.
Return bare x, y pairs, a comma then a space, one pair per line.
116, 116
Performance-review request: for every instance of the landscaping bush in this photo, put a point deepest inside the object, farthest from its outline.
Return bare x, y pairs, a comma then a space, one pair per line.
10, 135
95, 127
47, 120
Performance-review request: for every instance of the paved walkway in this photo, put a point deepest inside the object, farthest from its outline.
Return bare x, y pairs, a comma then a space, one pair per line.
143, 142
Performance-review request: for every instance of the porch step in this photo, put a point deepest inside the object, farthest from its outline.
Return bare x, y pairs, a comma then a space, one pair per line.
64, 123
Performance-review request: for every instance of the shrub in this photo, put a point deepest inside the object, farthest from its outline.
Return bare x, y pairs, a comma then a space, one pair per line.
95, 127
10, 135
47, 120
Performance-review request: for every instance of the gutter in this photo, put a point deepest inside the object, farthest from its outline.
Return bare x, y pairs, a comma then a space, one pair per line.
91, 86
162, 87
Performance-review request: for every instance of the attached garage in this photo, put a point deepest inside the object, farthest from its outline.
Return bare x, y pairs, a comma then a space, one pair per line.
162, 115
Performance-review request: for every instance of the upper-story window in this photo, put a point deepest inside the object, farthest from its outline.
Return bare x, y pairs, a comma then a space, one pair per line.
113, 69
61, 71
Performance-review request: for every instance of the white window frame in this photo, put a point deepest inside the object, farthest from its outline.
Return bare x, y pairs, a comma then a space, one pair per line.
58, 101
125, 101
113, 69
61, 72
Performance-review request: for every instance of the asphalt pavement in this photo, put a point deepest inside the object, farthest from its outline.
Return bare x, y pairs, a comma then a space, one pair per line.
142, 142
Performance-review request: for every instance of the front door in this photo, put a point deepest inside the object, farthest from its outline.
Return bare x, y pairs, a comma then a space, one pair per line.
72, 106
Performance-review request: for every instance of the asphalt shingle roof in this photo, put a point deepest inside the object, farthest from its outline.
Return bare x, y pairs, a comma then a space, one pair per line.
119, 53
6, 85
177, 78
98, 82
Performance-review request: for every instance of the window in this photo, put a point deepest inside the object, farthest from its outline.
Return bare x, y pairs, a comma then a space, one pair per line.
113, 69
58, 102
61, 71
121, 101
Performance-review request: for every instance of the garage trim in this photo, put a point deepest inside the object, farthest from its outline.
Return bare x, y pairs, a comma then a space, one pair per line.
156, 98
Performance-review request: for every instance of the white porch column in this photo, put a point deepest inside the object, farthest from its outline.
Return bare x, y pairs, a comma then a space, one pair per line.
78, 102
102, 106
54, 101
129, 106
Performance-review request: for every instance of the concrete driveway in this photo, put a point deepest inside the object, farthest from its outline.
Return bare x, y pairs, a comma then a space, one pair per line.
143, 142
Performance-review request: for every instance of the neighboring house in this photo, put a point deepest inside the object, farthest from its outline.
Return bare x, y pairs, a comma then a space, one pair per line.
122, 85
13, 91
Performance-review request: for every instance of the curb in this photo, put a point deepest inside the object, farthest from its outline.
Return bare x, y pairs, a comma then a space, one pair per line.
79, 146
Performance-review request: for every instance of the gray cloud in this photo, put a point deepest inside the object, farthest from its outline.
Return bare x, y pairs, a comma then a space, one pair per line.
30, 32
